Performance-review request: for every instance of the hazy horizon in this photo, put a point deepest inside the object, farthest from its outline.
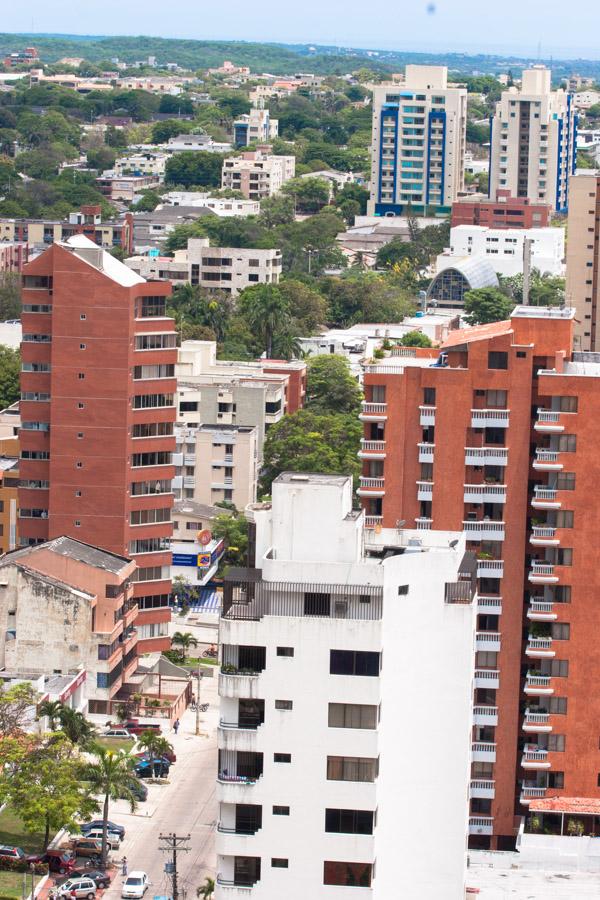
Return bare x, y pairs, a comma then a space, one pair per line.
452, 26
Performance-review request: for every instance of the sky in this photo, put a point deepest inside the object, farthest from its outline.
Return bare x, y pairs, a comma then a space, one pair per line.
527, 27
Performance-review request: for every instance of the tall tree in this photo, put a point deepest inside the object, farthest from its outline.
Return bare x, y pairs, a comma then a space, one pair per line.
10, 296
484, 305
155, 745
10, 370
185, 640
234, 530
51, 709
266, 311
17, 708
331, 387
75, 726
111, 775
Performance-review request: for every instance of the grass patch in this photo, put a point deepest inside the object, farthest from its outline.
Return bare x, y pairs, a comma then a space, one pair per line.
200, 660
11, 884
13, 834
115, 743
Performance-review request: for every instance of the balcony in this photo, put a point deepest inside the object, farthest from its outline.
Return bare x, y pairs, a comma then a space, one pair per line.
229, 888
486, 456
538, 685
547, 461
426, 452
488, 640
531, 791
535, 759
189, 459
371, 487
541, 611
484, 418
372, 522
543, 536
490, 568
485, 493
536, 721
545, 498
483, 751
422, 523
484, 530
539, 647
548, 421
487, 678
485, 789
427, 415
424, 490
373, 412
372, 450
542, 573
481, 825
485, 715
244, 685
189, 481
489, 604
225, 483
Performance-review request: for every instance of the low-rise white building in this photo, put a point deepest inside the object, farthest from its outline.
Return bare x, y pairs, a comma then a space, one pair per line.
142, 164
225, 269
221, 206
182, 142
585, 99
503, 247
216, 463
257, 173
328, 775
255, 127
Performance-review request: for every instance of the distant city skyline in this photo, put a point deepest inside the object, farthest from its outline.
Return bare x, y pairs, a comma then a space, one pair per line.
541, 29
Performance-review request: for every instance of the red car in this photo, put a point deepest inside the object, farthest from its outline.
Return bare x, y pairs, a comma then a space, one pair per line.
134, 726
61, 861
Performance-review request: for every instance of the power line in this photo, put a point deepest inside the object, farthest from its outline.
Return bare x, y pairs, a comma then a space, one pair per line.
174, 844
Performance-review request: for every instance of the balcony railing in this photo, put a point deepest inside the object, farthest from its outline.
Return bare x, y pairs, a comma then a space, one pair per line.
489, 604
426, 452
543, 533
539, 643
481, 418
226, 778
547, 460
542, 572
424, 490
541, 609
481, 825
483, 751
427, 416
377, 483
538, 680
383, 369
483, 529
373, 411
486, 640
483, 788
485, 715
536, 718
489, 678
534, 756
545, 497
485, 493
490, 568
532, 792
548, 420
375, 449
423, 523
373, 521
481, 456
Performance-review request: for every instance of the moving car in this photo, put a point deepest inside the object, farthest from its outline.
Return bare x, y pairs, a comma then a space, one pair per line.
122, 733
156, 768
86, 846
113, 841
135, 885
98, 823
78, 887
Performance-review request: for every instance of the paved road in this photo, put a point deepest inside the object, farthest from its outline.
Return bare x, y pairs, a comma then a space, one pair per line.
186, 806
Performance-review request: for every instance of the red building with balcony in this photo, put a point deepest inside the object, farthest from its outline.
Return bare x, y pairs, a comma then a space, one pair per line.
503, 212
97, 412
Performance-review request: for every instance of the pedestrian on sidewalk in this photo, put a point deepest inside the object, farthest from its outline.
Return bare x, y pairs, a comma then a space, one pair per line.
176, 726
124, 867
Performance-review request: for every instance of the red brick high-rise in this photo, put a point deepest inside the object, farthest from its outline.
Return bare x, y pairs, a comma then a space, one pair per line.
499, 437
97, 412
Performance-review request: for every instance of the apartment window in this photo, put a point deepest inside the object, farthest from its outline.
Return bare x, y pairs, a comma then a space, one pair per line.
284, 704
349, 874
82, 346
152, 401
150, 307
150, 516
281, 810
317, 604
82, 316
429, 396
78, 493
561, 631
79, 435
155, 341
565, 404
565, 481
497, 359
81, 375
564, 556
556, 742
285, 651
141, 488
282, 757
567, 443
486, 659
188, 406
556, 780
496, 399
352, 715
352, 768
353, 662
166, 370
559, 668
80, 406
151, 573
79, 465
349, 821
160, 458
561, 593
564, 518
278, 863
155, 429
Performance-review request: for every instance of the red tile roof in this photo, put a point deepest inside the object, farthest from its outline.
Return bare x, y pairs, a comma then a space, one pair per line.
584, 806
477, 333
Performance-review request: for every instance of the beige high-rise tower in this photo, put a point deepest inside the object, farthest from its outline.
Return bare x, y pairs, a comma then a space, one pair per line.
583, 258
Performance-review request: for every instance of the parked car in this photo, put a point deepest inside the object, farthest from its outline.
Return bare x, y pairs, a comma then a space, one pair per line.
170, 755
60, 861
139, 790
156, 768
135, 885
7, 852
100, 879
137, 727
78, 887
122, 733
87, 846
98, 823
113, 840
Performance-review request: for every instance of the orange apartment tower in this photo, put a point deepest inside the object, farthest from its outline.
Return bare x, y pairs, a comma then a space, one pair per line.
97, 411
497, 434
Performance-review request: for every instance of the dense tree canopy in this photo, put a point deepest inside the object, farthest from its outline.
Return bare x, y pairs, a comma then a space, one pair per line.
331, 387
484, 305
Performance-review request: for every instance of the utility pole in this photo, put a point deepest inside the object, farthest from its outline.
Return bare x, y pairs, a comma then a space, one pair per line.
174, 844
199, 679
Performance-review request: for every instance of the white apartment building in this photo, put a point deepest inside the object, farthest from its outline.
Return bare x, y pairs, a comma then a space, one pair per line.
331, 772
225, 269
532, 145
142, 164
257, 173
181, 142
585, 99
503, 247
214, 463
256, 127
418, 143
221, 206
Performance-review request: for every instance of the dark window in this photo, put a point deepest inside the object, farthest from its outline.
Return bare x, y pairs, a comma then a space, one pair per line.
350, 874
349, 821
353, 662
352, 768
558, 706
316, 604
565, 481
429, 396
277, 863
520, 354
402, 590
285, 651
556, 780
283, 704
282, 757
497, 359
281, 810
352, 715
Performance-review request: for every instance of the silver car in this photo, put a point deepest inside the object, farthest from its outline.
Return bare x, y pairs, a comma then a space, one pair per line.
79, 888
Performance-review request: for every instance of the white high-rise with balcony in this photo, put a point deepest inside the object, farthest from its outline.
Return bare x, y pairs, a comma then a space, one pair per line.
346, 705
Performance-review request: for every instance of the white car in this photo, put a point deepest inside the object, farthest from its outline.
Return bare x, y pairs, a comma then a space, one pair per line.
117, 733
113, 841
78, 888
135, 885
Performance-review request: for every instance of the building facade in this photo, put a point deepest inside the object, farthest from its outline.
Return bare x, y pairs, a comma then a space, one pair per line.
257, 127
503, 212
224, 465
532, 142
9, 494
418, 143
65, 606
257, 173
97, 415
13, 257
320, 742
583, 259
40, 233
498, 439
504, 248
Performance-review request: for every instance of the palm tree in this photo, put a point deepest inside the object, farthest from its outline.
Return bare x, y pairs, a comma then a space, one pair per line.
207, 889
112, 776
185, 640
75, 726
266, 311
52, 710
155, 745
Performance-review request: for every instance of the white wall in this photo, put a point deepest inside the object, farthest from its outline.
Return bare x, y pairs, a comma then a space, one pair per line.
503, 247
